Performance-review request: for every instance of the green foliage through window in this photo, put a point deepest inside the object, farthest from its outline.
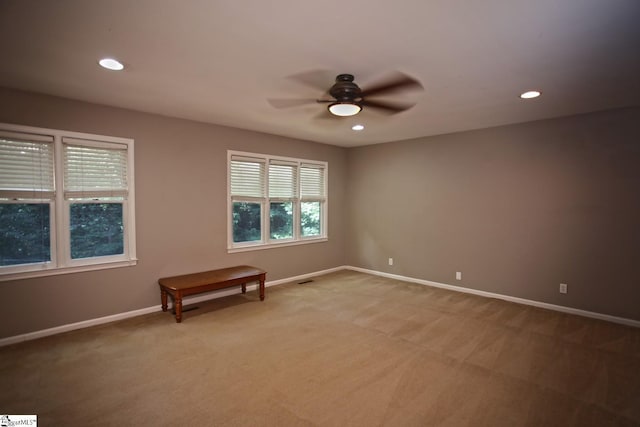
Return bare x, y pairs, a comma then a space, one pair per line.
281, 216
24, 233
310, 219
96, 229
246, 222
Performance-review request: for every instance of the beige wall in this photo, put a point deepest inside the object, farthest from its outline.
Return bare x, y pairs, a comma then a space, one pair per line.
517, 209
180, 169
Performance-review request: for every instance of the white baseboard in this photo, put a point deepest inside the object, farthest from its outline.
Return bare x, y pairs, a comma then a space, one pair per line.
72, 326
563, 309
152, 309
233, 291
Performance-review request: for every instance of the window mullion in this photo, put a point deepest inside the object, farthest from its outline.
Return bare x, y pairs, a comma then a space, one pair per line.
266, 205
297, 222
265, 220
60, 233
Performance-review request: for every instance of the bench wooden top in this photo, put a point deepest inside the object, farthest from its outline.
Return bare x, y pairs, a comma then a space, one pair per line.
222, 275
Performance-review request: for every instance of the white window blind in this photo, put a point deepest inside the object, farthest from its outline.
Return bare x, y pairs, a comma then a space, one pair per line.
247, 177
26, 166
282, 180
94, 170
312, 182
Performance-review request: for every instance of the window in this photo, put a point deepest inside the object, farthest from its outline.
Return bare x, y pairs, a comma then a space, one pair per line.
275, 201
66, 202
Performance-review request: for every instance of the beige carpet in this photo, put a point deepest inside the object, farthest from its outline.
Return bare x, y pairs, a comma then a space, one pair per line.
347, 349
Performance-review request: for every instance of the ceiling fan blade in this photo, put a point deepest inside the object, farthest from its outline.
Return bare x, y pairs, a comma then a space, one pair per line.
386, 107
317, 79
324, 115
399, 82
288, 103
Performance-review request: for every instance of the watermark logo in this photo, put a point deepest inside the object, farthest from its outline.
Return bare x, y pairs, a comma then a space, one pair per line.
18, 420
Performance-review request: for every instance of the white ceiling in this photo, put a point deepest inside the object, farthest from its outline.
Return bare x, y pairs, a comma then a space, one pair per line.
219, 61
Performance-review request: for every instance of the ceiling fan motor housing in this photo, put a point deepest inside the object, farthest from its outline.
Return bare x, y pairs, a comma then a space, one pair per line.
345, 90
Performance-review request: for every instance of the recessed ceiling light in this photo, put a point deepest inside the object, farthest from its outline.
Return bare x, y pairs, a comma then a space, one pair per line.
357, 127
111, 64
530, 94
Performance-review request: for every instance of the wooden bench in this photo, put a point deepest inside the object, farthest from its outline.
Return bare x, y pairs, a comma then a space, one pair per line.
196, 283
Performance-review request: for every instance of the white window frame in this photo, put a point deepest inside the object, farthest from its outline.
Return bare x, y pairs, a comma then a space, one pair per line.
266, 242
61, 261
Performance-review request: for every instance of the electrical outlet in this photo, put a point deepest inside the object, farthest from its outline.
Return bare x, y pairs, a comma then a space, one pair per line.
390, 261
563, 288
458, 275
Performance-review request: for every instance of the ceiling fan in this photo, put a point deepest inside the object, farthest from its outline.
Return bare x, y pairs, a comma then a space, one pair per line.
347, 99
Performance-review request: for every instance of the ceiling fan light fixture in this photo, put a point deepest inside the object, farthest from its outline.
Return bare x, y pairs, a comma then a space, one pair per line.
344, 109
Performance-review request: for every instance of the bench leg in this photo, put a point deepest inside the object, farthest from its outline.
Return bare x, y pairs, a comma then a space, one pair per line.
244, 288
163, 298
261, 289
177, 302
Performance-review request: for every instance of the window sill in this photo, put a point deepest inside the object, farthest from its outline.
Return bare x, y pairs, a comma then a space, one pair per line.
262, 246
65, 270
